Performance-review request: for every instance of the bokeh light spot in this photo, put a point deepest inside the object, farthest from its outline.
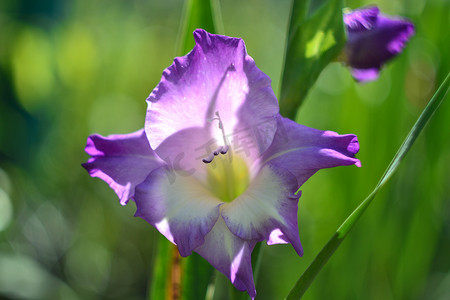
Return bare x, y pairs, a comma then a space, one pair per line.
77, 57
375, 92
116, 113
334, 79
89, 265
32, 68
6, 210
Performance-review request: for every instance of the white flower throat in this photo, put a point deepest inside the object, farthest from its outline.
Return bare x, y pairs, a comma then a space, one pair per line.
227, 175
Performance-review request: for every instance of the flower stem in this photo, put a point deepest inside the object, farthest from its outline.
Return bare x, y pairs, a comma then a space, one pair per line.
174, 283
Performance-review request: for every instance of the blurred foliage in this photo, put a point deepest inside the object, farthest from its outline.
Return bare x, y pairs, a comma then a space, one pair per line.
71, 68
313, 42
198, 14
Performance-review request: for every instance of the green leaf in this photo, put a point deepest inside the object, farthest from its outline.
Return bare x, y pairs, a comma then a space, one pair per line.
198, 14
176, 277
327, 251
299, 12
313, 42
161, 270
196, 278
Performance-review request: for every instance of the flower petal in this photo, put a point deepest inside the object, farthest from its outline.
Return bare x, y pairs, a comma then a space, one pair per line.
179, 206
303, 150
184, 150
363, 75
373, 38
267, 209
361, 19
230, 255
122, 160
216, 76
396, 32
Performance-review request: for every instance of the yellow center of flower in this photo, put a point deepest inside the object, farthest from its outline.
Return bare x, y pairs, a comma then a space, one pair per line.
228, 176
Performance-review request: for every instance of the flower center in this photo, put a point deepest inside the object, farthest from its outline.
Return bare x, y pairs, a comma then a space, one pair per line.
227, 175
228, 178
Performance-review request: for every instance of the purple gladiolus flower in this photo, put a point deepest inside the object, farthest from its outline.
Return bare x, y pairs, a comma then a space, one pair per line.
373, 39
216, 168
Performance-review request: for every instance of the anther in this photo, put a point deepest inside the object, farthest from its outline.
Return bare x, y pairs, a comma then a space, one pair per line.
217, 151
221, 149
224, 149
208, 159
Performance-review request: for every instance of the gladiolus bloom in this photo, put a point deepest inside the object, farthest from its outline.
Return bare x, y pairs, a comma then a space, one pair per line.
373, 39
216, 168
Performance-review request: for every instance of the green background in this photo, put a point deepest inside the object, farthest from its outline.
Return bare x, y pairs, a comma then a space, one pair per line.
72, 68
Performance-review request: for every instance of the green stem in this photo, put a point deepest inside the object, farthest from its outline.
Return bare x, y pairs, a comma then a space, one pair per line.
257, 255
299, 11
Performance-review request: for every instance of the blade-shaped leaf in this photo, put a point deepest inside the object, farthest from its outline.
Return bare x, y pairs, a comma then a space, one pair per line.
198, 14
197, 276
313, 42
161, 270
327, 251
299, 12
176, 277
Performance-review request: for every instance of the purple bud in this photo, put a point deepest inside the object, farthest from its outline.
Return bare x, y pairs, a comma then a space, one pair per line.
373, 39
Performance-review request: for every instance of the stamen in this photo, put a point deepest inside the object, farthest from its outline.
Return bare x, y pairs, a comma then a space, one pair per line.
217, 151
221, 149
208, 159
224, 149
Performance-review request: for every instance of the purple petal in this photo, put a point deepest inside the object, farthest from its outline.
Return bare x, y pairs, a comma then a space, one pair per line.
122, 160
363, 75
179, 206
184, 150
361, 19
216, 76
230, 255
303, 150
373, 39
267, 209
396, 34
